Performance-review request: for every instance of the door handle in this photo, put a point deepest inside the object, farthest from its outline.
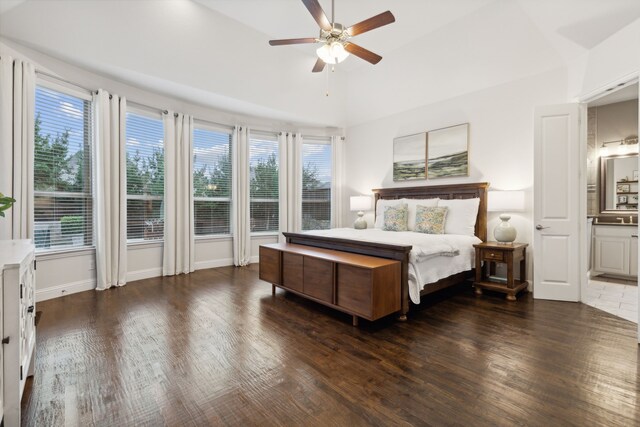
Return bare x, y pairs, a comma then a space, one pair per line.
634, 235
539, 227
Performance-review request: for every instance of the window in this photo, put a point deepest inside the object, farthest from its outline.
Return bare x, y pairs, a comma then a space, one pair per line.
63, 204
263, 186
316, 184
211, 181
145, 177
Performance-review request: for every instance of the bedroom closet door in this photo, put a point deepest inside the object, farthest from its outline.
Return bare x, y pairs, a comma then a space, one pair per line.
557, 197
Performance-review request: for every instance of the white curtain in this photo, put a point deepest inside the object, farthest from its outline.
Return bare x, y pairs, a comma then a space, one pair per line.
17, 105
294, 190
284, 140
178, 195
241, 217
337, 185
110, 189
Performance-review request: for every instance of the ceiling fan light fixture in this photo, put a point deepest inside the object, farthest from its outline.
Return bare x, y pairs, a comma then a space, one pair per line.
332, 53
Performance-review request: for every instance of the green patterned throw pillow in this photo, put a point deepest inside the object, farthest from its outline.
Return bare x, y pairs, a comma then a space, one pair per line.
430, 220
396, 217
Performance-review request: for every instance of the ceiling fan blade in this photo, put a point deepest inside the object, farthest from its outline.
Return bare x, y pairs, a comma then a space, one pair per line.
319, 66
292, 41
318, 14
372, 23
363, 53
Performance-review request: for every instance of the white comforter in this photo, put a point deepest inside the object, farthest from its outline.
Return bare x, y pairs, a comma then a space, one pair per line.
433, 256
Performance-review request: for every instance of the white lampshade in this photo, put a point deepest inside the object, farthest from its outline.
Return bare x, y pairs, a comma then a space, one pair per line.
506, 201
360, 203
332, 53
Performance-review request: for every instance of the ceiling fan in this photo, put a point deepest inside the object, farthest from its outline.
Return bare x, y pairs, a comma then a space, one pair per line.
336, 46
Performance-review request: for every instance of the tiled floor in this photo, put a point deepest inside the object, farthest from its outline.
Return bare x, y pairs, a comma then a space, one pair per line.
618, 297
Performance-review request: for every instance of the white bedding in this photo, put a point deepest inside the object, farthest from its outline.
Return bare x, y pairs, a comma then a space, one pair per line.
433, 256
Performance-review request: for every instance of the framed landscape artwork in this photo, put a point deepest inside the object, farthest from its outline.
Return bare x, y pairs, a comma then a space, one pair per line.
409, 154
448, 152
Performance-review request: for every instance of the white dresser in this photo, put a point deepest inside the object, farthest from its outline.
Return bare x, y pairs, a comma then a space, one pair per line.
17, 270
615, 250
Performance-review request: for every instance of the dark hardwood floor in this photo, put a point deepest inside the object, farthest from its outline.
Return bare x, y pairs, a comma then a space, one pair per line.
215, 348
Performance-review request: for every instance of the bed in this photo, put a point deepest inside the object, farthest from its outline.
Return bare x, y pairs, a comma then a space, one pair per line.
401, 252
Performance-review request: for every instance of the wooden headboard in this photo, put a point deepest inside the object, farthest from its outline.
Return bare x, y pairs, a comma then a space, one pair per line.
452, 191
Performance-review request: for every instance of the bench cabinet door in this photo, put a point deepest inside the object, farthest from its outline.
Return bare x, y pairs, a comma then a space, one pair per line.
318, 278
354, 289
270, 265
292, 271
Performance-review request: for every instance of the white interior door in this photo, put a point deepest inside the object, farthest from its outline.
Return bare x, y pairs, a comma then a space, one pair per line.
556, 214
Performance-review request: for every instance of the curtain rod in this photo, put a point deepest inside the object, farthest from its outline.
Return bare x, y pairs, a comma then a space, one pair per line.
213, 123
322, 137
42, 73
145, 106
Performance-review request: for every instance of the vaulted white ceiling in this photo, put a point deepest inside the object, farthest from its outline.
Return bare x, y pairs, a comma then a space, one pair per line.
215, 52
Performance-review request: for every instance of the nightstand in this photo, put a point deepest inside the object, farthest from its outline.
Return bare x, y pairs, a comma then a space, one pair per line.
508, 253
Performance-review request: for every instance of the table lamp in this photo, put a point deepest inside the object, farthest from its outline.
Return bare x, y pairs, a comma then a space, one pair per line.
505, 201
360, 204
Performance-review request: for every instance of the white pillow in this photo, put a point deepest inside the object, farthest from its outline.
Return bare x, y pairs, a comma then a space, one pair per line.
413, 208
380, 210
462, 215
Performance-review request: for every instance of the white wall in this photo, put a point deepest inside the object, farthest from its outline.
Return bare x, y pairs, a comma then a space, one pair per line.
616, 58
501, 141
495, 44
65, 273
616, 121
74, 271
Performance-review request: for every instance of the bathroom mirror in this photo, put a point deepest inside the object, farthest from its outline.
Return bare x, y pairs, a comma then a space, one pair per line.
618, 181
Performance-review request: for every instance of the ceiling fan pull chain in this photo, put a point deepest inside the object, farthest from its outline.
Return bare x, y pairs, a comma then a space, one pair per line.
327, 91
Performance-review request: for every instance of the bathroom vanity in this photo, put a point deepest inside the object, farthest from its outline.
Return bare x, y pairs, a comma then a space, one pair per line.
615, 250
614, 232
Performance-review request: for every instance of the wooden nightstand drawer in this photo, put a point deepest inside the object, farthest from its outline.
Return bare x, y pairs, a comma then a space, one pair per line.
493, 255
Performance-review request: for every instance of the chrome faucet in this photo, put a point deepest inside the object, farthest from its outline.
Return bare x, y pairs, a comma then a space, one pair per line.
621, 220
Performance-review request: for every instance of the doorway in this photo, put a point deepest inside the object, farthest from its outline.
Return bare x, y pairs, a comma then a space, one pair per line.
612, 187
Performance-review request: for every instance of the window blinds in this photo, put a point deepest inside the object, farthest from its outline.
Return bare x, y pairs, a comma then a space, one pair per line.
211, 181
145, 177
263, 182
316, 184
63, 204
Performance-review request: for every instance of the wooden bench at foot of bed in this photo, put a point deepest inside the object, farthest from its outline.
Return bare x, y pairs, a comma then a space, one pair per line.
360, 285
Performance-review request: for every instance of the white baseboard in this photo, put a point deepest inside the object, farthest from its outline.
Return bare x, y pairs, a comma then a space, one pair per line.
65, 289
132, 276
254, 259
214, 263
